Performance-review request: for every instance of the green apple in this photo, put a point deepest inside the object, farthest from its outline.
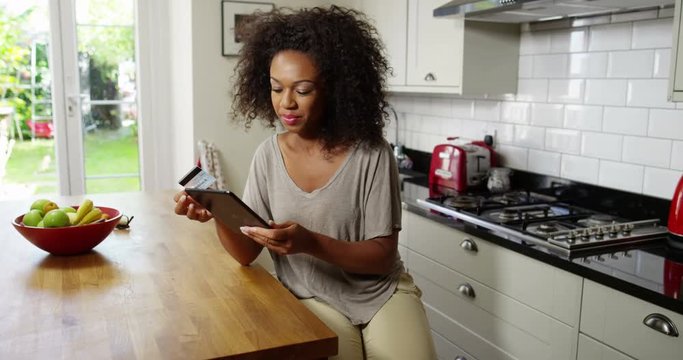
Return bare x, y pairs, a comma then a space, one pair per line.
68, 209
56, 218
49, 206
32, 218
41, 224
39, 205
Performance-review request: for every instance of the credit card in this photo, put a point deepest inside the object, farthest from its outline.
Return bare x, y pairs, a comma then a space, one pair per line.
197, 179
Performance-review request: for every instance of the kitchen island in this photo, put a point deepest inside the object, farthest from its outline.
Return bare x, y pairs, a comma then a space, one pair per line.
164, 288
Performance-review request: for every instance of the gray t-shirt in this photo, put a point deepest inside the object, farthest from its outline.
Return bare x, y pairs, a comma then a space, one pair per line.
361, 201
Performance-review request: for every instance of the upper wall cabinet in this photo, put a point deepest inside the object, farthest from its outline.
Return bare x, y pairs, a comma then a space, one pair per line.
676, 79
444, 55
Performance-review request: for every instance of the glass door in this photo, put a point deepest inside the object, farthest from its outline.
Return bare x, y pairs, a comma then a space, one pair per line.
69, 97
99, 77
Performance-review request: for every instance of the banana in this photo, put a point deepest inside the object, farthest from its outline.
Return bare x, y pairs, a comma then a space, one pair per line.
94, 215
84, 209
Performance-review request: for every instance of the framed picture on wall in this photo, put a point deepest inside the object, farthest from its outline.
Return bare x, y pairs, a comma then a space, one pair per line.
233, 15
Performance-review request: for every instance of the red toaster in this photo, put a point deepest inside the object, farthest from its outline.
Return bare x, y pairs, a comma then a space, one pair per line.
457, 168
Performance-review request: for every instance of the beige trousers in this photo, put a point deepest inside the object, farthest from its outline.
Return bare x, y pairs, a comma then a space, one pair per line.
398, 331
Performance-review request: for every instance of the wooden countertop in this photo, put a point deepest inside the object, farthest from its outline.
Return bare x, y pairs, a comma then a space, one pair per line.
163, 289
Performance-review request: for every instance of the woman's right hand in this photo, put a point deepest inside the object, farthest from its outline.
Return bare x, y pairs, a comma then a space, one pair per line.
184, 205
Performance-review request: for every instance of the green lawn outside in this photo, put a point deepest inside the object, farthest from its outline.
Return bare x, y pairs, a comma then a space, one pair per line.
107, 153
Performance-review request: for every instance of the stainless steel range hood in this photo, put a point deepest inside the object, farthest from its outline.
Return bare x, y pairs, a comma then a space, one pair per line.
523, 11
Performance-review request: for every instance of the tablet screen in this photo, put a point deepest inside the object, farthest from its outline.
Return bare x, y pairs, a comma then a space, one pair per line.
228, 208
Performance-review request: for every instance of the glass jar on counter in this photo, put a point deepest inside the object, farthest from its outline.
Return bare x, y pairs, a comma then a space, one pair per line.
499, 180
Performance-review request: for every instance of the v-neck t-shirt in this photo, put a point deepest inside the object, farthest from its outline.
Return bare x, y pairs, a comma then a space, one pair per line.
360, 201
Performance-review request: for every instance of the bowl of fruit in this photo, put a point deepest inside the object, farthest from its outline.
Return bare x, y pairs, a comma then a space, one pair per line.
68, 230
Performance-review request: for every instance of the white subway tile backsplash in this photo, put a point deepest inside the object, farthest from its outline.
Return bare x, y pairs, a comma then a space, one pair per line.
566, 91
621, 176
652, 34
677, 155
534, 43
591, 106
631, 64
648, 93
514, 112
532, 90
610, 37
473, 129
604, 146
662, 63
647, 151
513, 156
660, 182
562, 140
628, 121
487, 110
588, 65
606, 92
544, 162
666, 124
525, 66
463, 109
579, 168
574, 40
529, 136
550, 66
551, 115
583, 117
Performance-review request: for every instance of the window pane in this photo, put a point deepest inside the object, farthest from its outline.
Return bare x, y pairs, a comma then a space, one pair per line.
105, 12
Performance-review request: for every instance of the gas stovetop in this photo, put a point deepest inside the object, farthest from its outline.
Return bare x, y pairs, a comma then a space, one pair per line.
543, 220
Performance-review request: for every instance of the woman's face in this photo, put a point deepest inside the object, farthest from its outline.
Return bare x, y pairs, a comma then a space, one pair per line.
296, 91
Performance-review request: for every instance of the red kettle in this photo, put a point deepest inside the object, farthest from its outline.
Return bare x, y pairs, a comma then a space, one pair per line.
675, 224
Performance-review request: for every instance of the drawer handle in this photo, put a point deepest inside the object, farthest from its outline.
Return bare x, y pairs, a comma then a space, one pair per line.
661, 323
469, 245
430, 77
466, 289
460, 358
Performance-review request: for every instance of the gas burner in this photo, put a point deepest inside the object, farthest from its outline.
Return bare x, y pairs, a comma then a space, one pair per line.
596, 220
546, 228
511, 198
461, 202
508, 214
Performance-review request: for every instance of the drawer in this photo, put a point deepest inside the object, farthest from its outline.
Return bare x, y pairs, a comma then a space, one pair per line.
616, 319
446, 350
461, 338
553, 291
590, 349
515, 328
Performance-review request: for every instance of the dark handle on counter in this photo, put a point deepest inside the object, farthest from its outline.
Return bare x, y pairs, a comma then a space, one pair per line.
467, 290
469, 245
661, 323
430, 77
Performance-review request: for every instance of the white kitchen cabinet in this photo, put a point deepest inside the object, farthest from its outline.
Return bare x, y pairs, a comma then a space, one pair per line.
676, 80
617, 320
444, 55
589, 349
509, 316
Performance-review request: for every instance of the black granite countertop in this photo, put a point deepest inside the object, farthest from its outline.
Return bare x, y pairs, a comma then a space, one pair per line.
640, 270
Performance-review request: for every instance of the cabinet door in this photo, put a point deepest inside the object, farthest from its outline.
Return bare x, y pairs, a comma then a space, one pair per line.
677, 54
390, 17
434, 46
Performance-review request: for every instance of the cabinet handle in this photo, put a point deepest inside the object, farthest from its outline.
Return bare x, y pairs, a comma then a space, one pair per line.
466, 289
459, 357
469, 245
430, 77
661, 323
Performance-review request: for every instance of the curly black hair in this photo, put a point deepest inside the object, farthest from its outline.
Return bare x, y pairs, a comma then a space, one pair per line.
348, 54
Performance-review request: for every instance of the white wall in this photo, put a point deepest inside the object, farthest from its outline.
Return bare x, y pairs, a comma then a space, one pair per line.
591, 106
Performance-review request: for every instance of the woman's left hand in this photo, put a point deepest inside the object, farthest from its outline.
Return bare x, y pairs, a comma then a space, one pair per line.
285, 238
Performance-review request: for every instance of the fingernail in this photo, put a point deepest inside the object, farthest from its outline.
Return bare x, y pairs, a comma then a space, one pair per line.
271, 222
244, 230
182, 198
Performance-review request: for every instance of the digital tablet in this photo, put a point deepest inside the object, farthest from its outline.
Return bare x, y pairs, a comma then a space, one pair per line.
228, 208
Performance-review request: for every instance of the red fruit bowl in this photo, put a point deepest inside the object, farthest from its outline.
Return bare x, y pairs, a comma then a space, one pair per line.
69, 240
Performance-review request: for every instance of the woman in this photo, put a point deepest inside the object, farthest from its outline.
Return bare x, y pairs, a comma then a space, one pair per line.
328, 181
